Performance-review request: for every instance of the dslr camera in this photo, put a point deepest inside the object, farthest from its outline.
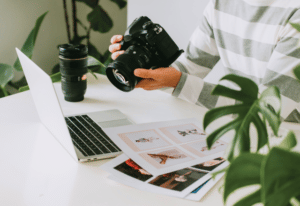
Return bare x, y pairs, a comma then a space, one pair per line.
147, 45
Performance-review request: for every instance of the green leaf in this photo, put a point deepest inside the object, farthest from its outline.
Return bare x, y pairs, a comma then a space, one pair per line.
24, 88
296, 26
99, 20
243, 171
217, 134
250, 199
94, 62
91, 72
55, 69
289, 141
106, 58
90, 3
270, 107
251, 110
247, 94
297, 72
3, 92
6, 74
214, 174
280, 177
120, 3
56, 77
28, 46
93, 51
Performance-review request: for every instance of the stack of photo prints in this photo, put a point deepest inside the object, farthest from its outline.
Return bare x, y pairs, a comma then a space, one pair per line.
168, 158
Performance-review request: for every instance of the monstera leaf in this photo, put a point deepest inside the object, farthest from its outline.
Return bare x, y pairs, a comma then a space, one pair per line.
99, 20
120, 3
28, 46
297, 72
280, 177
244, 171
277, 173
252, 110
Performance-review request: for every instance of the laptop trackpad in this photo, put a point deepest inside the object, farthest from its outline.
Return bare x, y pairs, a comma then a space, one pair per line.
110, 118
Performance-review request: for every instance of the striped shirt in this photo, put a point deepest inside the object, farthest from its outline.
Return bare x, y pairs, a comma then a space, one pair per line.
251, 38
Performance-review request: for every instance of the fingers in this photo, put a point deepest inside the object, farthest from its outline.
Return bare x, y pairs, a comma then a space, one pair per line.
143, 73
116, 38
116, 54
114, 47
148, 84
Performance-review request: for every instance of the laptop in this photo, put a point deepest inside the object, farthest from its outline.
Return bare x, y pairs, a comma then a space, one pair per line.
81, 135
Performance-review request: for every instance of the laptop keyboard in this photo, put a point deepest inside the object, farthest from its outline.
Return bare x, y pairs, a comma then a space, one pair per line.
88, 137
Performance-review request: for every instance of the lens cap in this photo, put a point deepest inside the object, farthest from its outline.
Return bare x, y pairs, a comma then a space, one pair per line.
73, 51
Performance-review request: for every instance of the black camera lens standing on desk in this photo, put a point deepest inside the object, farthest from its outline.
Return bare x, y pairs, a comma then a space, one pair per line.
147, 46
73, 67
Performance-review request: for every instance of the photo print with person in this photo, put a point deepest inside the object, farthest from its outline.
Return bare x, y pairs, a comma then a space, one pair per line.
211, 164
132, 169
178, 180
144, 140
184, 133
163, 157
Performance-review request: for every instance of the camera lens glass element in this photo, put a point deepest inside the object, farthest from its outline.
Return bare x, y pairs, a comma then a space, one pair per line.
73, 68
120, 78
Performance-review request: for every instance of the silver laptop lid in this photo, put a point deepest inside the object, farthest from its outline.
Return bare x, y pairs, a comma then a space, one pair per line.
46, 102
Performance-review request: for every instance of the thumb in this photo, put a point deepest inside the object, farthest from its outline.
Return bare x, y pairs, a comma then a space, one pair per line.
143, 73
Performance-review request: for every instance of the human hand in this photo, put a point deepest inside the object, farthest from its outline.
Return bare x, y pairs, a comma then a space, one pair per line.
157, 78
115, 46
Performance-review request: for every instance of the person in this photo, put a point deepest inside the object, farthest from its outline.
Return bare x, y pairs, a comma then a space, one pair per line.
135, 166
143, 140
251, 38
164, 157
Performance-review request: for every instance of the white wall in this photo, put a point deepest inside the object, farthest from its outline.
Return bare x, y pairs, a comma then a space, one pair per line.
178, 17
17, 18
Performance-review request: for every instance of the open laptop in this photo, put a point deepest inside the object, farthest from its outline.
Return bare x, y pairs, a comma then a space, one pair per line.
81, 134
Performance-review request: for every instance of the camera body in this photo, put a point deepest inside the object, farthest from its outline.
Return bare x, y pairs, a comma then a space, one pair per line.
147, 45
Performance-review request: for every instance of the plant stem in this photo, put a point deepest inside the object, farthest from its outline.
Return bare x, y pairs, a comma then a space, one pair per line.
75, 31
81, 24
4, 91
88, 34
67, 20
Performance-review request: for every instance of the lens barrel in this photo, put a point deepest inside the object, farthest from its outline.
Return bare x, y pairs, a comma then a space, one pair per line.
73, 68
120, 71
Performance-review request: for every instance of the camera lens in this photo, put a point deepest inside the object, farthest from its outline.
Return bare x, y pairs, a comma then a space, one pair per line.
120, 78
73, 68
120, 71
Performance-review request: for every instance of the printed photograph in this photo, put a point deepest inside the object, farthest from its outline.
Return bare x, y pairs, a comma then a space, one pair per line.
211, 164
184, 133
168, 157
178, 180
144, 140
200, 148
129, 167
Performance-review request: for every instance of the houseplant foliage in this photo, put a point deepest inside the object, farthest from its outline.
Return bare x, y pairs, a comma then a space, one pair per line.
252, 110
7, 71
277, 172
99, 21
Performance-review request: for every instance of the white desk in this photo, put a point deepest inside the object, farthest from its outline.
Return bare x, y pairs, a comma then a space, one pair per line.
36, 170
